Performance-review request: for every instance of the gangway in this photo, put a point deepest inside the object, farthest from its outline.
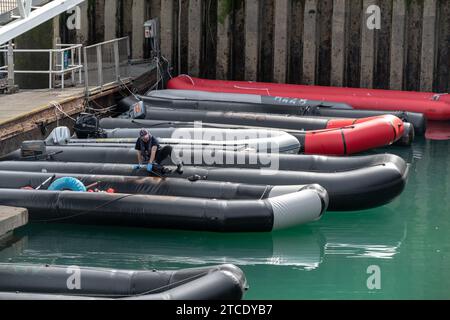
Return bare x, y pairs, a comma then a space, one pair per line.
19, 16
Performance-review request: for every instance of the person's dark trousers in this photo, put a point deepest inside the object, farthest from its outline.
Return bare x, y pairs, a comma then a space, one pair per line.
163, 154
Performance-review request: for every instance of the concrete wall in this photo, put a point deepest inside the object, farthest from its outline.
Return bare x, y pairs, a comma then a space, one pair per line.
324, 42
41, 37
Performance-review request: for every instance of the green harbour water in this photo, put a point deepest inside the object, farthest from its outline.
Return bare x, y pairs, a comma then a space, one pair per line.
408, 240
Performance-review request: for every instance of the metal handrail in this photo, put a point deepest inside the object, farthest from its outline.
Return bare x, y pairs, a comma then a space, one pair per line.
7, 6
44, 50
61, 67
99, 47
106, 42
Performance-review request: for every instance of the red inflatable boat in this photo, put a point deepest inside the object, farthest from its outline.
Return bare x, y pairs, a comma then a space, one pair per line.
434, 106
345, 137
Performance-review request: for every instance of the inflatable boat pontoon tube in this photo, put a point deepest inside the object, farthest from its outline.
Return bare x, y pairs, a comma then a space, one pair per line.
158, 187
348, 189
166, 212
357, 92
373, 133
227, 139
151, 125
274, 121
291, 144
309, 163
229, 102
435, 107
36, 282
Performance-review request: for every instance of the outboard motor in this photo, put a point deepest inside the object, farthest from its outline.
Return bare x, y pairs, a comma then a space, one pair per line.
59, 136
31, 149
87, 126
133, 106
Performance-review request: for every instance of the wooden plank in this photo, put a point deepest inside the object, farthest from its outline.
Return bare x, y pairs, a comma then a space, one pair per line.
167, 30
338, 43
398, 44
353, 43
194, 37
324, 25
138, 19
414, 19
382, 43
428, 57
367, 48
443, 59
110, 20
295, 71
251, 39
237, 41
310, 42
266, 40
223, 39
281, 38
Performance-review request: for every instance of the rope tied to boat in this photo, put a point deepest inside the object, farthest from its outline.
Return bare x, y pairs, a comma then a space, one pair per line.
84, 212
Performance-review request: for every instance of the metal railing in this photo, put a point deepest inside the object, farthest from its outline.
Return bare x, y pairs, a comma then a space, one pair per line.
106, 63
62, 61
7, 6
7, 70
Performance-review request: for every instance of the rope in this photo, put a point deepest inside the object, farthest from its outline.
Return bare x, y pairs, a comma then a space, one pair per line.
59, 108
86, 212
126, 87
265, 192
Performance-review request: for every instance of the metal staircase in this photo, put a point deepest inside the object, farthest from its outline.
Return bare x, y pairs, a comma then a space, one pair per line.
20, 16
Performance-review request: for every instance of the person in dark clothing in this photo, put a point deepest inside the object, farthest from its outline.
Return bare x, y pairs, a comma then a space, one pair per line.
151, 153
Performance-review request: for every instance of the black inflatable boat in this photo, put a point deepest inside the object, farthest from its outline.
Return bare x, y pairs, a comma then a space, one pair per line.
35, 282
209, 101
354, 183
277, 211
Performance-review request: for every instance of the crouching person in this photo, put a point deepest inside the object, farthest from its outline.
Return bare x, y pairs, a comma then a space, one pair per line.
150, 153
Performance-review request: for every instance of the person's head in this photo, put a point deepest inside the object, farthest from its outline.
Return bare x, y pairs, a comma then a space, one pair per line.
145, 135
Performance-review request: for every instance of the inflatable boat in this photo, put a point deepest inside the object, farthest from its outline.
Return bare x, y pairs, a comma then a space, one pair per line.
229, 102
434, 106
169, 212
342, 137
154, 186
357, 184
152, 125
258, 140
38, 282
214, 114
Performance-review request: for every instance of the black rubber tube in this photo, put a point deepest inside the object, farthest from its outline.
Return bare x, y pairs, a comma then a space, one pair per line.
354, 183
306, 108
143, 211
226, 282
308, 163
292, 124
150, 185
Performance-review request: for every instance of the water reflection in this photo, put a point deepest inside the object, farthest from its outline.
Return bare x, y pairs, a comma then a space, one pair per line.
371, 234
64, 244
